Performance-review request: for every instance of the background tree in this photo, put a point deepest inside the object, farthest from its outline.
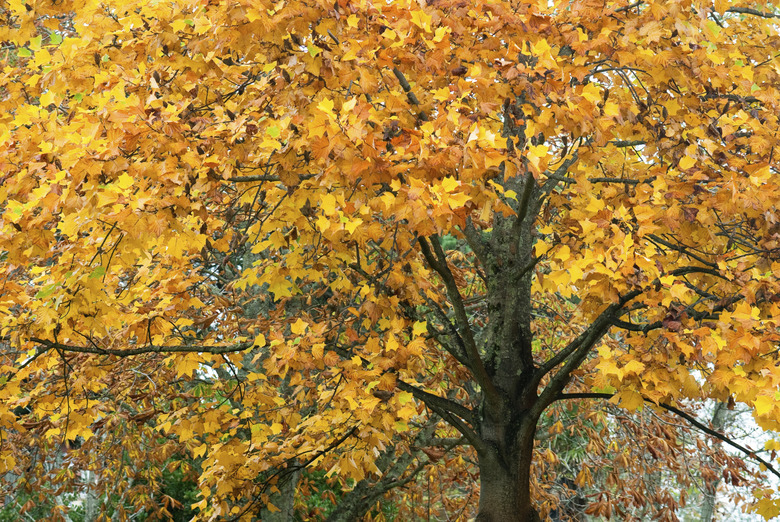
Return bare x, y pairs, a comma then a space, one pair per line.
221, 228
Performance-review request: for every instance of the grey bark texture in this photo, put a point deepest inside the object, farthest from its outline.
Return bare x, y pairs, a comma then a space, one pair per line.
720, 418
284, 500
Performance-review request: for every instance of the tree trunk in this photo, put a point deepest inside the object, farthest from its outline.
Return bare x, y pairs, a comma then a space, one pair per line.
283, 501
505, 472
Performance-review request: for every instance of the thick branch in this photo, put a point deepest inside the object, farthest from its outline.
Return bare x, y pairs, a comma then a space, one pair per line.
408, 90
612, 317
619, 180
690, 311
474, 239
525, 199
459, 355
628, 7
627, 143
687, 417
441, 403
754, 12
632, 327
624, 181
576, 351
559, 174
253, 179
448, 410
476, 365
149, 348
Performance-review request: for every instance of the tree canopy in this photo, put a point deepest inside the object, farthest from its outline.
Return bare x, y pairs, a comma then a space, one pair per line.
267, 237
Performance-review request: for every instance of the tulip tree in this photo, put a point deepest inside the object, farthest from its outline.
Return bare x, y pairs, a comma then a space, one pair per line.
286, 236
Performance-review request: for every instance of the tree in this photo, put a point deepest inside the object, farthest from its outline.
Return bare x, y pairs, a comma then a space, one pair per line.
225, 232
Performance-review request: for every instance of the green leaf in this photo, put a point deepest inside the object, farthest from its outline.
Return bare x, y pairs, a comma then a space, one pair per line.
98, 272
404, 397
272, 131
55, 38
24, 52
46, 291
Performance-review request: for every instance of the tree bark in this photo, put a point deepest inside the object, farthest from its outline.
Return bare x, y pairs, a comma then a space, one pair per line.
720, 417
284, 501
505, 470
502, 495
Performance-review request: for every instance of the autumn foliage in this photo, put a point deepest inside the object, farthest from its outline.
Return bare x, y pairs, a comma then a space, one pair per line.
252, 240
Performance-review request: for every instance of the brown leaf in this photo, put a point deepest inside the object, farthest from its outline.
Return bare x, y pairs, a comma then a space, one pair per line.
459, 71
433, 453
383, 395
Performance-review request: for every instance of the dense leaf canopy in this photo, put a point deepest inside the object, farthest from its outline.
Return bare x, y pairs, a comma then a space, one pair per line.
266, 235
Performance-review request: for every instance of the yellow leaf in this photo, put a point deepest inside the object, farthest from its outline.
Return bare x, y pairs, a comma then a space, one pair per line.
763, 404
47, 98
326, 106
200, 450
592, 93
187, 364
630, 400
42, 57
540, 47
442, 94
328, 204
440, 33
323, 223
348, 105
536, 153
687, 162
351, 225
633, 366
299, 327
124, 181
611, 109
7, 463
563, 253
456, 201
419, 328
405, 397
400, 426
421, 20
35, 43
449, 184
768, 508
178, 25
